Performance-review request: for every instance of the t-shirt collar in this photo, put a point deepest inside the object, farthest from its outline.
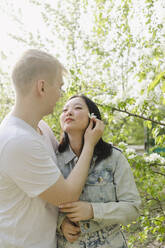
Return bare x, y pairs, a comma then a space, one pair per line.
22, 123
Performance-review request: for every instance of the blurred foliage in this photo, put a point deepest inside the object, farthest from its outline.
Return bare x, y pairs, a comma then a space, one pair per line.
149, 171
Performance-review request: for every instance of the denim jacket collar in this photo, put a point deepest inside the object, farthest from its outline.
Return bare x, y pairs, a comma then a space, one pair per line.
69, 155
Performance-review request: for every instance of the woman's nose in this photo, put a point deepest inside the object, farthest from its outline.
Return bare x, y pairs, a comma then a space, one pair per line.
69, 112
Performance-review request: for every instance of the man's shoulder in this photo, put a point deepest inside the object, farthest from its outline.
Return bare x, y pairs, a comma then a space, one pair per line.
14, 137
18, 144
47, 131
14, 132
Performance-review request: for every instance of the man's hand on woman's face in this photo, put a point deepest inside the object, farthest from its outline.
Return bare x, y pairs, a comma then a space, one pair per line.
70, 230
94, 131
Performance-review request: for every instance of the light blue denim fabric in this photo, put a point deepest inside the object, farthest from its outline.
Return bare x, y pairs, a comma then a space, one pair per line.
111, 189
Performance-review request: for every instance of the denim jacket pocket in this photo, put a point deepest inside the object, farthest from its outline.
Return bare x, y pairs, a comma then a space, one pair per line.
99, 187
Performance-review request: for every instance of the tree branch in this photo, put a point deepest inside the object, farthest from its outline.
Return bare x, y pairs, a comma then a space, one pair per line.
158, 173
138, 116
156, 164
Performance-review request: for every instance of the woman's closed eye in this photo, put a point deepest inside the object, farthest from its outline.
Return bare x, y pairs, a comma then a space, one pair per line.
78, 107
64, 110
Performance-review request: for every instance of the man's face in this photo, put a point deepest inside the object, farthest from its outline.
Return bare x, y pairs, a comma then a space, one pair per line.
54, 92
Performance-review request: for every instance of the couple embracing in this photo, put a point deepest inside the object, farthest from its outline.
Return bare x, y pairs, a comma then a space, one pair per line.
73, 194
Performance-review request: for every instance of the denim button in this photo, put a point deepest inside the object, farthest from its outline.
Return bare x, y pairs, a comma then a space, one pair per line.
100, 179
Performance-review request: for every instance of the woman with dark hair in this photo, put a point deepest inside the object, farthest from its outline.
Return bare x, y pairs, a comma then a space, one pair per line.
109, 198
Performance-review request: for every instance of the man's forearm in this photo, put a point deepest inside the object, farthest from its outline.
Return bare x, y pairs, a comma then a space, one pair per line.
69, 190
77, 177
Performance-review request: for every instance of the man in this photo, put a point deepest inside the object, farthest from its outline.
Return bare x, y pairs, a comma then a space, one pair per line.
30, 181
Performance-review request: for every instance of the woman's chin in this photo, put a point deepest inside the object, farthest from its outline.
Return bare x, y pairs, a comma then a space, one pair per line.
68, 130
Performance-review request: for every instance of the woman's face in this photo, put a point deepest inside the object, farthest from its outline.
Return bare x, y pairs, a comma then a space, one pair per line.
74, 116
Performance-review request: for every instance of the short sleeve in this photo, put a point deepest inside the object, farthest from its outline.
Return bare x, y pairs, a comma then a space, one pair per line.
29, 165
48, 131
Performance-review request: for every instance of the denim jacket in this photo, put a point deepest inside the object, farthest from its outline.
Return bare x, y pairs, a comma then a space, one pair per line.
111, 189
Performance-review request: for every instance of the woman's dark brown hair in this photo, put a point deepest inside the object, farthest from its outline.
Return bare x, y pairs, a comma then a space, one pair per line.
102, 149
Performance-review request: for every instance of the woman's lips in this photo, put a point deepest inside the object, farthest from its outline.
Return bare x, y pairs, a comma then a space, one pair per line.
68, 120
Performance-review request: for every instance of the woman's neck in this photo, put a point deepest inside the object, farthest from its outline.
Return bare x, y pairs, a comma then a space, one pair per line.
76, 142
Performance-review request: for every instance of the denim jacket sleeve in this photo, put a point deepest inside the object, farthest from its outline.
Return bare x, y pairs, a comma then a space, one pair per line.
127, 204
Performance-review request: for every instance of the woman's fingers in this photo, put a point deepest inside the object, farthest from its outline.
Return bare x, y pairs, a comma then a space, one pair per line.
73, 229
70, 230
67, 210
68, 205
74, 219
71, 238
77, 211
71, 216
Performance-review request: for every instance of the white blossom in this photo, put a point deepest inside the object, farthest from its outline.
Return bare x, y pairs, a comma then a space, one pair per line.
92, 115
122, 144
131, 156
154, 157
130, 150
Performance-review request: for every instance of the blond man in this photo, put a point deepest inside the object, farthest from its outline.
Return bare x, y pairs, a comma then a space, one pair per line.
31, 185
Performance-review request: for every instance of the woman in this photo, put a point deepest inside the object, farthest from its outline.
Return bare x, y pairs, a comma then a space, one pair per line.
109, 198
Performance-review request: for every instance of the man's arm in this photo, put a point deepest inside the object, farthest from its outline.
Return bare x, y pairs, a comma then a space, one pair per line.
68, 190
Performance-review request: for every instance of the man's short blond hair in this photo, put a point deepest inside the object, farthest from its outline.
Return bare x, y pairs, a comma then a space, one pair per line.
35, 65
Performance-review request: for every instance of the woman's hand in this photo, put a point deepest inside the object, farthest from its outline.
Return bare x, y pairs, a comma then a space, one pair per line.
77, 211
70, 230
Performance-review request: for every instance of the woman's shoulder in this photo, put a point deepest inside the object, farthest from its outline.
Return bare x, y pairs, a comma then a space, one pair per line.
115, 157
111, 159
116, 149
116, 152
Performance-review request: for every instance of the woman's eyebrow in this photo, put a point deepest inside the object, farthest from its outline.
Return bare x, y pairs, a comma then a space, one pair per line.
78, 104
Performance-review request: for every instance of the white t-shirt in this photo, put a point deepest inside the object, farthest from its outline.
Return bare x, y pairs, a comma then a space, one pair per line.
27, 168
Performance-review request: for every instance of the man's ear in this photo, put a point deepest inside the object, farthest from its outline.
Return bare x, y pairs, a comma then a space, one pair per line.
41, 87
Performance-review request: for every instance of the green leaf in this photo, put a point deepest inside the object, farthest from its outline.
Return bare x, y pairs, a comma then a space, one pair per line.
156, 81
149, 124
163, 87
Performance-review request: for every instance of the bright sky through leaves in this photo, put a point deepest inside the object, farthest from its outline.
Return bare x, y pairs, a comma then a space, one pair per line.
21, 17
